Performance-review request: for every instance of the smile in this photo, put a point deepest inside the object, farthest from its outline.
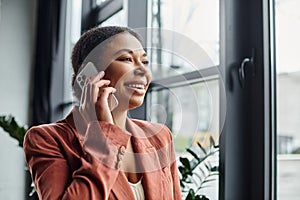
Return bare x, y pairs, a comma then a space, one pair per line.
134, 85
137, 87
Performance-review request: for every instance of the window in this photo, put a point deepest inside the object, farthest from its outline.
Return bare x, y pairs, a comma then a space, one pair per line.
73, 29
186, 90
187, 30
287, 23
117, 19
194, 47
184, 61
191, 111
99, 2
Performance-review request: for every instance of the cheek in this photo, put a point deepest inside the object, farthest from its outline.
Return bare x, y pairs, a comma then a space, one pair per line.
113, 75
150, 76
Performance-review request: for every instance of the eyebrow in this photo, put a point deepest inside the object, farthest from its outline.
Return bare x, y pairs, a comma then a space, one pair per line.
128, 51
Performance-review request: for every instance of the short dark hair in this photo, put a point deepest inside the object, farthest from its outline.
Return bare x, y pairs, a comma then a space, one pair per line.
90, 40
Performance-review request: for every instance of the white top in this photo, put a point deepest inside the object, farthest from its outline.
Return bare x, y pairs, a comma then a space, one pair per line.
138, 190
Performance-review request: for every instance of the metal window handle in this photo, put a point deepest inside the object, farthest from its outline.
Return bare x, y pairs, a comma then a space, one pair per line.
249, 64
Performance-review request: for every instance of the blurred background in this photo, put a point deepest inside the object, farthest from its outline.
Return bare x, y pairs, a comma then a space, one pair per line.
194, 46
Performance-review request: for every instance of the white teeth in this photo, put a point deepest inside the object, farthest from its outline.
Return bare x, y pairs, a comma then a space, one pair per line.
139, 86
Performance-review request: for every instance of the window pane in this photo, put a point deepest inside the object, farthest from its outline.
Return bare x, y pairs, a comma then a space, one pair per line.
192, 114
287, 25
73, 31
184, 23
99, 2
118, 19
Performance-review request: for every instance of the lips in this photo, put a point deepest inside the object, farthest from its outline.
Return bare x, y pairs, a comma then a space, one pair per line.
138, 87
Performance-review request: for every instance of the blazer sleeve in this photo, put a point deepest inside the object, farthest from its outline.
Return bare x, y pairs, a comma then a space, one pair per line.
176, 183
98, 168
174, 173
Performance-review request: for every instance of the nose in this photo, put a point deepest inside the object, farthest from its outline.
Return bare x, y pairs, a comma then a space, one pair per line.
140, 71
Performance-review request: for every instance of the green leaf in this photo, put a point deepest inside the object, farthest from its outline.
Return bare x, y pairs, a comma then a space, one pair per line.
207, 165
181, 169
193, 154
202, 171
208, 180
212, 142
214, 169
9, 124
205, 173
182, 184
201, 197
185, 162
194, 162
202, 148
191, 195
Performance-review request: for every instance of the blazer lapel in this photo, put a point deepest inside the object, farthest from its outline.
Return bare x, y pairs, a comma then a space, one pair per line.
152, 185
149, 162
122, 189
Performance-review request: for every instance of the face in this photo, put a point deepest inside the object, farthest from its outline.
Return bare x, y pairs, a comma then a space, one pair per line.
127, 70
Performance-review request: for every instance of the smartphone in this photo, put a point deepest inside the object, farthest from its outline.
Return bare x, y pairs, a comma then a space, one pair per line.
88, 71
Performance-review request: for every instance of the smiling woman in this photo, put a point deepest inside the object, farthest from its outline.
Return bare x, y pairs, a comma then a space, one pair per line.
96, 152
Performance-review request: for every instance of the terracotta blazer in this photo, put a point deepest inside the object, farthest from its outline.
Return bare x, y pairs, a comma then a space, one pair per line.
70, 160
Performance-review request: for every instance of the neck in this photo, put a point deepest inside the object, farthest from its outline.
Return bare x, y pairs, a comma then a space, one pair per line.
120, 118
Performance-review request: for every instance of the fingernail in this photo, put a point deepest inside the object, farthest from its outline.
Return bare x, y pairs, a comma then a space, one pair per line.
101, 73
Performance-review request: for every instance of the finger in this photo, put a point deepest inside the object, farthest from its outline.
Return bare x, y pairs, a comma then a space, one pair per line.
104, 94
91, 89
96, 87
97, 77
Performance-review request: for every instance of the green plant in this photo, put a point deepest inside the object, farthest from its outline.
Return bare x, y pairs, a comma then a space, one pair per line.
9, 125
296, 151
198, 171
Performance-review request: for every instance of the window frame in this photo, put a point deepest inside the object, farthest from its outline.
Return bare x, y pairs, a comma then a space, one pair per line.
248, 138
252, 108
94, 14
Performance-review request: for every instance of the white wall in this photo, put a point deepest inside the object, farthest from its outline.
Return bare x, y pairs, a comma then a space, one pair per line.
17, 33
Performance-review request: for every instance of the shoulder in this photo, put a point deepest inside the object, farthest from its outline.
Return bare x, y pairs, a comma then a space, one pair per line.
46, 133
146, 125
154, 131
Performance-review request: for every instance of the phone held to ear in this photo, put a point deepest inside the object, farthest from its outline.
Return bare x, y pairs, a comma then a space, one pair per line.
88, 71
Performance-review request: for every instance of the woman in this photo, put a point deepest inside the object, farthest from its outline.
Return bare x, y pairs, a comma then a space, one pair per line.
97, 152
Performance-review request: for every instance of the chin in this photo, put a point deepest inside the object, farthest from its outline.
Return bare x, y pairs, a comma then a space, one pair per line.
134, 103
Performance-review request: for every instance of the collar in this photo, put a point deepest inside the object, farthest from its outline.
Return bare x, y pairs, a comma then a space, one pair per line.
141, 131
76, 122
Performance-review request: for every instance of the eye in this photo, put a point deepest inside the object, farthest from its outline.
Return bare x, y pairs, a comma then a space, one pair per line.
145, 62
128, 59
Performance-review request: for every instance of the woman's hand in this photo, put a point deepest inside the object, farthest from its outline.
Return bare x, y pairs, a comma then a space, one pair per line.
94, 99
